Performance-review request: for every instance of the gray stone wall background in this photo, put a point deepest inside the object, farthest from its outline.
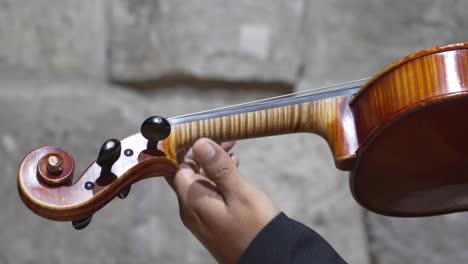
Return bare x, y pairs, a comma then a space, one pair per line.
75, 73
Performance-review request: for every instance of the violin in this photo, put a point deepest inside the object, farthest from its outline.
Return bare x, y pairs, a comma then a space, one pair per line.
402, 135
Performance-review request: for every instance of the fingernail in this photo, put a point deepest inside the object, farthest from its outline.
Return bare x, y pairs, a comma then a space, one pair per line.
206, 151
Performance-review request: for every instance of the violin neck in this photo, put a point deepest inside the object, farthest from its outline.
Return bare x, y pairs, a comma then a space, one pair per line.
326, 114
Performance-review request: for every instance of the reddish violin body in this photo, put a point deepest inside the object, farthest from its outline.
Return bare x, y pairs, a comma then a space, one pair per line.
413, 153
401, 136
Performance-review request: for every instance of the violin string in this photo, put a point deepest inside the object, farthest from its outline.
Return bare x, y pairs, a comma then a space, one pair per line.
330, 88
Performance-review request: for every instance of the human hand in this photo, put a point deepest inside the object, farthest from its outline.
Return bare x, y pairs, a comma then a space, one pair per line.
217, 204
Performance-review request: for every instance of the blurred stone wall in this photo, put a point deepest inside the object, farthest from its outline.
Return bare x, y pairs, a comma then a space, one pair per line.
75, 73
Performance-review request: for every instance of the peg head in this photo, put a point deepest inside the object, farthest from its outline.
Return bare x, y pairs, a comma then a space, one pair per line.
109, 153
55, 168
155, 128
124, 193
82, 224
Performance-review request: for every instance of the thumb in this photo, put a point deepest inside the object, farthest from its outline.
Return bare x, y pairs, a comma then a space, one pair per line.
218, 167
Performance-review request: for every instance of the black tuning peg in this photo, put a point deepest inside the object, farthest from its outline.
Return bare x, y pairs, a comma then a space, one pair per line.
81, 224
154, 129
109, 153
124, 193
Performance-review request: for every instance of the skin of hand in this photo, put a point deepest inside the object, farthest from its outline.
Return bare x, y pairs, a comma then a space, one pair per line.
218, 205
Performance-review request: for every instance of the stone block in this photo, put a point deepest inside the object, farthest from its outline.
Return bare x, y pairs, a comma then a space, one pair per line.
52, 36
79, 117
234, 40
348, 40
439, 239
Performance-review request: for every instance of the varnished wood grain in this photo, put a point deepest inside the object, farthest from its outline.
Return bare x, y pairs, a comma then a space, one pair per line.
411, 127
409, 83
74, 202
330, 118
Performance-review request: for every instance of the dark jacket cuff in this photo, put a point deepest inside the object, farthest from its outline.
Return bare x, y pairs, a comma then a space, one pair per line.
284, 241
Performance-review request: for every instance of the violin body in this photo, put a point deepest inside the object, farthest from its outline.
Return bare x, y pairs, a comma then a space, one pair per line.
413, 150
401, 136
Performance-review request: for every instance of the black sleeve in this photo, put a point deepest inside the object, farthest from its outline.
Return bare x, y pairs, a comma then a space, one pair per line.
285, 241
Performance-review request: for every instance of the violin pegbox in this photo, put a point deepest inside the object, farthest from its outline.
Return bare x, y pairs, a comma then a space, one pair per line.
45, 176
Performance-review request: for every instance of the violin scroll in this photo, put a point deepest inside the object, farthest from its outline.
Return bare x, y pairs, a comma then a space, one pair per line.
45, 177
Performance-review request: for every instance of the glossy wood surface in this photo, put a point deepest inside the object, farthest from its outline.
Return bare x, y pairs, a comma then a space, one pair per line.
402, 136
413, 148
417, 165
409, 83
75, 202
